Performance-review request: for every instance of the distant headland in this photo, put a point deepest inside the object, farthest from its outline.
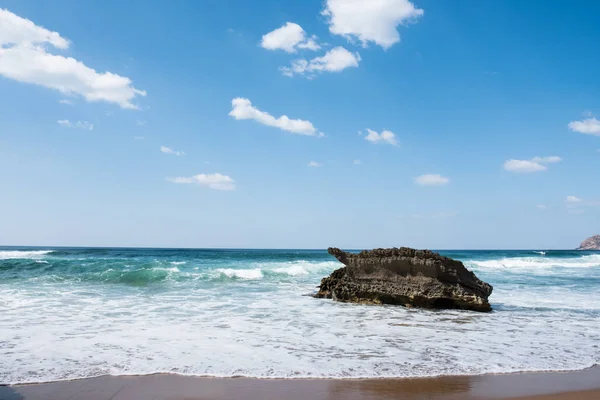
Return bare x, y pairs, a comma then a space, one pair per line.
592, 243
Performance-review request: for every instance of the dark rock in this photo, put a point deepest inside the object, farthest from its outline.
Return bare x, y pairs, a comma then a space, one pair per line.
592, 243
407, 277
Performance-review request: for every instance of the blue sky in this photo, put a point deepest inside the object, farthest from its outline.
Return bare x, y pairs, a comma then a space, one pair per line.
159, 123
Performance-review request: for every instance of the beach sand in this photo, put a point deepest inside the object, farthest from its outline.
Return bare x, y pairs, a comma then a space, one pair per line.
576, 385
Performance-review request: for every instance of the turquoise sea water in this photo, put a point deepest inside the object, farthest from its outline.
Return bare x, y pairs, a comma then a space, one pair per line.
78, 312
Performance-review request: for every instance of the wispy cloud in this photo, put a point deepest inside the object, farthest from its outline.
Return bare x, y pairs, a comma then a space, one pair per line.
536, 164
384, 137
370, 21
213, 181
315, 164
66, 101
168, 150
357, 162
577, 205
243, 109
141, 122
335, 60
24, 58
139, 137
289, 38
431, 180
79, 124
543, 207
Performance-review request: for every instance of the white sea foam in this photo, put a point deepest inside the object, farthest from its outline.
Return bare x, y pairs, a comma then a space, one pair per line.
255, 273
293, 270
587, 261
23, 254
253, 320
178, 262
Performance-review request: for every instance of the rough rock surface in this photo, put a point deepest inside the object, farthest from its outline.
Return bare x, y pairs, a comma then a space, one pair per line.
592, 243
407, 277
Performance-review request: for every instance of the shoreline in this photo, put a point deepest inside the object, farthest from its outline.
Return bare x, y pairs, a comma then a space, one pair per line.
565, 385
309, 378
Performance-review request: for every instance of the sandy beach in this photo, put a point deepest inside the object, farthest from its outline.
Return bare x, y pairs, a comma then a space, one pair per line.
576, 385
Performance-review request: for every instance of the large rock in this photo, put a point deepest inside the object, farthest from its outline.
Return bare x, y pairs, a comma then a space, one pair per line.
592, 243
406, 277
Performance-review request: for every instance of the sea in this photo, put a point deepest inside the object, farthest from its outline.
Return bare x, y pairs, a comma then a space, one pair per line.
68, 313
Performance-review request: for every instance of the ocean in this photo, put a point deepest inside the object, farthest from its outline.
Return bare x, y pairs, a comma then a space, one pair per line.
69, 313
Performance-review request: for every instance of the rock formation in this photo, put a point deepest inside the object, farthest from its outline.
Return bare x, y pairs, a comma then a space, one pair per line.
592, 243
407, 277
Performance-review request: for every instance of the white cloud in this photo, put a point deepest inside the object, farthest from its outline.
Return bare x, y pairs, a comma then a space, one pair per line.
140, 122
536, 164
576, 205
243, 109
289, 38
357, 162
315, 164
138, 137
543, 207
65, 101
589, 126
431, 180
79, 124
168, 150
24, 58
17, 30
370, 21
213, 181
547, 160
335, 60
383, 137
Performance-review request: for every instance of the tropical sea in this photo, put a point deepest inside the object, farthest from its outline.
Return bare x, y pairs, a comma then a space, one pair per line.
70, 313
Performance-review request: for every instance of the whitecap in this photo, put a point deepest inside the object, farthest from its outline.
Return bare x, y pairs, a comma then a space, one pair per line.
293, 270
255, 273
178, 262
587, 261
23, 254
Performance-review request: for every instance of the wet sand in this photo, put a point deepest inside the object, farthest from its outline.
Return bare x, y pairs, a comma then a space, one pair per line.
577, 385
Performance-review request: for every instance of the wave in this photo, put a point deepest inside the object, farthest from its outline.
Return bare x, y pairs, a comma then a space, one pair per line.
178, 262
138, 277
249, 274
587, 261
23, 254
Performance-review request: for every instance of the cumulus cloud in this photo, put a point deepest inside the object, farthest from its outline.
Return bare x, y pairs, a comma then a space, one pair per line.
289, 38
315, 164
370, 21
213, 181
168, 150
79, 124
24, 57
335, 60
243, 109
588, 126
431, 180
536, 164
384, 137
